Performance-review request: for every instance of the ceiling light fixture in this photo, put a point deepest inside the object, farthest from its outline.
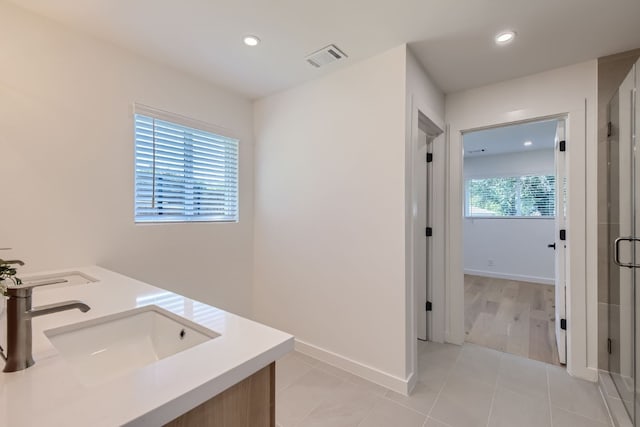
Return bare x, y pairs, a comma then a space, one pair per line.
251, 40
505, 37
528, 143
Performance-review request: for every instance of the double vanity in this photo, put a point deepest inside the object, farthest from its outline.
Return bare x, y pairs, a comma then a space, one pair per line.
140, 356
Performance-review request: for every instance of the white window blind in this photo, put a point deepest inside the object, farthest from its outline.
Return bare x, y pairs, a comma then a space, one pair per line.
514, 196
184, 171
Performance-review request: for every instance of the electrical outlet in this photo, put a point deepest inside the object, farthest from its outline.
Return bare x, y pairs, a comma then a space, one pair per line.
490, 263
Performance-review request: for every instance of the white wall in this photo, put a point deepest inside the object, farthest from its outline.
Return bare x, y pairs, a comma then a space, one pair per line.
510, 248
423, 97
330, 217
67, 163
329, 229
572, 91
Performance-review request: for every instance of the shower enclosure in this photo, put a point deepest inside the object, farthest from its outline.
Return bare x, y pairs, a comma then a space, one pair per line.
624, 242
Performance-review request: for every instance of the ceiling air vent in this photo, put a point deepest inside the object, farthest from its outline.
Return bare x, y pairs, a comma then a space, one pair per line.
325, 56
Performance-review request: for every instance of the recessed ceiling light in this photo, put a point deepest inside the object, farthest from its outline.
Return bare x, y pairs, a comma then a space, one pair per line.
251, 40
528, 143
505, 37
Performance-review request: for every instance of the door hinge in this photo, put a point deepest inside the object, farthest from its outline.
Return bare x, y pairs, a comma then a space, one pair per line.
428, 306
428, 231
609, 129
563, 324
429, 157
562, 145
609, 345
563, 234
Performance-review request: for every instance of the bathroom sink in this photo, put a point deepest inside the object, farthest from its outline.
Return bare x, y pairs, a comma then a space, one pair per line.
99, 350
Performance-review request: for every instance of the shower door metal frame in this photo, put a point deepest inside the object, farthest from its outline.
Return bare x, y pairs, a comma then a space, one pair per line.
624, 257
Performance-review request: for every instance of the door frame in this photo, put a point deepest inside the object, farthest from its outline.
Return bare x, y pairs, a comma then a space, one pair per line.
560, 261
581, 227
429, 324
559, 222
412, 229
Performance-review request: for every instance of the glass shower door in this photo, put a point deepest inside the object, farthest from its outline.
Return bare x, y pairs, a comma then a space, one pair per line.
624, 202
635, 124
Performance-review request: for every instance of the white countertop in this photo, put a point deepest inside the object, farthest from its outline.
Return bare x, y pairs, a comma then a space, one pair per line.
49, 394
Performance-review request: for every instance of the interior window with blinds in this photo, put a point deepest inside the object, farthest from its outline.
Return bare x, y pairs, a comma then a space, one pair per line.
513, 196
184, 170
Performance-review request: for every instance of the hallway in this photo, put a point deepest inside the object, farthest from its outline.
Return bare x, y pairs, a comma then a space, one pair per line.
468, 386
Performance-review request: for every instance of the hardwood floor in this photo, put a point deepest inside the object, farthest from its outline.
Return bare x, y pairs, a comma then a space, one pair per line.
511, 316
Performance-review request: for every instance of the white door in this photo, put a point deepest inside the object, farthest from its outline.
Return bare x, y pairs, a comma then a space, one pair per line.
429, 242
420, 239
561, 245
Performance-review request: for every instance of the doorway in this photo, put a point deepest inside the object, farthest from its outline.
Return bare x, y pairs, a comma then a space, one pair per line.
514, 191
424, 212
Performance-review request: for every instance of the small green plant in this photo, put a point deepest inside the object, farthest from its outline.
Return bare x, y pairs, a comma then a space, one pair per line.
7, 273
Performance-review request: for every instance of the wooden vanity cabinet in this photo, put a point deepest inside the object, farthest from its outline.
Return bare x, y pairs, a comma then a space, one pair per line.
249, 403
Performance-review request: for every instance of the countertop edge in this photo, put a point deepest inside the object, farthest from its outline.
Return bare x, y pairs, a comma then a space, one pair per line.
183, 404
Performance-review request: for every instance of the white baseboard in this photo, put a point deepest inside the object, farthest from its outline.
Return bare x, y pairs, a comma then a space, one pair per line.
583, 372
411, 383
400, 385
522, 278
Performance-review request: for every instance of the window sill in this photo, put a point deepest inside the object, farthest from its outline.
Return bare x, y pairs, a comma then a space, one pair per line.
511, 217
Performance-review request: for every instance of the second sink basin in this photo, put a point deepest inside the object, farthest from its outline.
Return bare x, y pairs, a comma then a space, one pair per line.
101, 349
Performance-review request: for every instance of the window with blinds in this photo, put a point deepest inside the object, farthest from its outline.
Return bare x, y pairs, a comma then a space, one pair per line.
184, 171
514, 196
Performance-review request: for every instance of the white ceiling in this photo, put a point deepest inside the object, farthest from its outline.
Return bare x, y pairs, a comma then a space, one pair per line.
510, 139
452, 38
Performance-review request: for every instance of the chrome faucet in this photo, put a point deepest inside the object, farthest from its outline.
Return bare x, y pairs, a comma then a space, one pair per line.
19, 315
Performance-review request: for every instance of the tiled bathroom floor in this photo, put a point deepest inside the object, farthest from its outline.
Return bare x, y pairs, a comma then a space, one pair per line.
468, 386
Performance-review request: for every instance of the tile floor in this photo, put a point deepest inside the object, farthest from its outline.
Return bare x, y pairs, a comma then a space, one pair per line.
464, 386
617, 406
